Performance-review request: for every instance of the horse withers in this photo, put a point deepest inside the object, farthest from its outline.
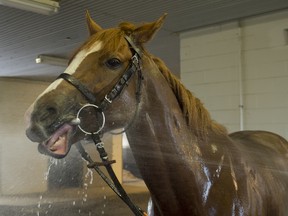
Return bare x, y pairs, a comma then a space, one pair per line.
189, 162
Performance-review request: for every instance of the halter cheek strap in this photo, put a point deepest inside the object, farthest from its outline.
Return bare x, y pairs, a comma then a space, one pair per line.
123, 81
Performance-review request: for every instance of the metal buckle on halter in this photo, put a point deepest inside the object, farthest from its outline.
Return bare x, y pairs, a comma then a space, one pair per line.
100, 145
135, 60
107, 99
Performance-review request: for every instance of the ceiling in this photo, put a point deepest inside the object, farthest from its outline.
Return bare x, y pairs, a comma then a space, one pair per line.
25, 35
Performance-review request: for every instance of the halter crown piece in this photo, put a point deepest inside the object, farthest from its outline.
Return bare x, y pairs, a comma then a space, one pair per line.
134, 66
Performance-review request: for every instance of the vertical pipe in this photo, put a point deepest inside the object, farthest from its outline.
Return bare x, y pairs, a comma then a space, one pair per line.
240, 76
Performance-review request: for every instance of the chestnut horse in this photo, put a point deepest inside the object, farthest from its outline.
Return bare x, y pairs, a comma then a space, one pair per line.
189, 162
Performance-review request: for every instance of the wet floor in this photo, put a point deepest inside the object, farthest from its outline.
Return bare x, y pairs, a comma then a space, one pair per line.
88, 204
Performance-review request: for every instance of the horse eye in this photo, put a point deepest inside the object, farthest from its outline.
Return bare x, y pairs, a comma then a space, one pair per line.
113, 63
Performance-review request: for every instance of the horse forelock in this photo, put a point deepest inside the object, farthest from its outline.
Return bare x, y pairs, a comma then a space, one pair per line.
196, 115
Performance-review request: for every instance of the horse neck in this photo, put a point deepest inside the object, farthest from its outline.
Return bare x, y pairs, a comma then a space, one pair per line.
165, 150
162, 119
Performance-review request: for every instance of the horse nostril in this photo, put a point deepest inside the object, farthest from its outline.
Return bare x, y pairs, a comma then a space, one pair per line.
48, 113
51, 110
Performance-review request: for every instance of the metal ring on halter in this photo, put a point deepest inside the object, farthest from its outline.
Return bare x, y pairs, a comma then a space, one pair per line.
103, 123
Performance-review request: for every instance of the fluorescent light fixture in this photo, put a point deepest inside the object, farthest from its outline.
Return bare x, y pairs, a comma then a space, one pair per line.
46, 7
52, 60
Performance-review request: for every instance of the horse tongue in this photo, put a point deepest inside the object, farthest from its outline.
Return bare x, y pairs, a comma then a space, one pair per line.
60, 145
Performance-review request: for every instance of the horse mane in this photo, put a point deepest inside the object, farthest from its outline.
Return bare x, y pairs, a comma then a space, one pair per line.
192, 108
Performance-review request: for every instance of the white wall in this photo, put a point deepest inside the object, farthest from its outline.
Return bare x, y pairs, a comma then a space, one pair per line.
22, 168
217, 59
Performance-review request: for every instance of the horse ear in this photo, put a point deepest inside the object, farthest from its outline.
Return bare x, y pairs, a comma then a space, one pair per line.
92, 25
144, 33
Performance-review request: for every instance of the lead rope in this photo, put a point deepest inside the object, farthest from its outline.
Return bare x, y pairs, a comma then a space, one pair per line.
114, 184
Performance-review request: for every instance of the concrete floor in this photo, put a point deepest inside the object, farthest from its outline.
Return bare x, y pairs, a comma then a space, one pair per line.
72, 202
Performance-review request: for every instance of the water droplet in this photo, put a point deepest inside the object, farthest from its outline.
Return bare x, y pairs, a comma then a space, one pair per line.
52, 161
89, 173
73, 203
104, 197
102, 212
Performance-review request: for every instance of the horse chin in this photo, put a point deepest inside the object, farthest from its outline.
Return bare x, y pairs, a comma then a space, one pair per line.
58, 145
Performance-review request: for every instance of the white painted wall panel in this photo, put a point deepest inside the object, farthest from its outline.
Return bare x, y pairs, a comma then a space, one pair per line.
212, 57
208, 62
22, 167
263, 70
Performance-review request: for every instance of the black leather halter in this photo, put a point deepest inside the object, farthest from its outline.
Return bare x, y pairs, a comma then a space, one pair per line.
134, 67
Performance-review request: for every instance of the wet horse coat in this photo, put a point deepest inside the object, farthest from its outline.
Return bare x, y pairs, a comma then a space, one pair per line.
190, 164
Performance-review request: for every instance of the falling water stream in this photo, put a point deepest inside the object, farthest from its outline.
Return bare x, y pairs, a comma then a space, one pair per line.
104, 197
52, 161
81, 193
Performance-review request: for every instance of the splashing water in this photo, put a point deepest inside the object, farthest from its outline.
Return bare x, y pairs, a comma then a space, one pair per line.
39, 205
52, 161
104, 197
89, 173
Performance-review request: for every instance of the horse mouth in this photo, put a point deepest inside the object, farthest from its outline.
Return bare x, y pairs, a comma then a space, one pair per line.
58, 144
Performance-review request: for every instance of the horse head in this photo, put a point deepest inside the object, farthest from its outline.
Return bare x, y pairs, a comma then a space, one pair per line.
53, 119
